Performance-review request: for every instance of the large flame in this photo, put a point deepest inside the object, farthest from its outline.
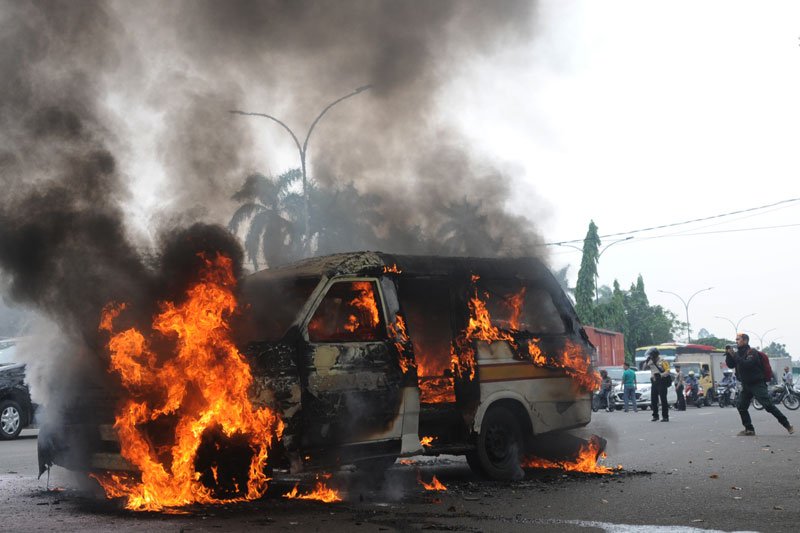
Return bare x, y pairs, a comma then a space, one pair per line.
585, 461
202, 386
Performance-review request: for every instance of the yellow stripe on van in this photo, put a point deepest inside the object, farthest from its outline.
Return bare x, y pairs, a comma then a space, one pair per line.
517, 371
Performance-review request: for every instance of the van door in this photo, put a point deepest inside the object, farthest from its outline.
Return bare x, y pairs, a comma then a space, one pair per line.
352, 379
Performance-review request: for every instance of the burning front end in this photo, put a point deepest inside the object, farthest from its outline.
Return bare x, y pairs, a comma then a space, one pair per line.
354, 358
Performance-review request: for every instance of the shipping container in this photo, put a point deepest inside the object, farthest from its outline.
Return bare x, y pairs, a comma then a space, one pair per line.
610, 346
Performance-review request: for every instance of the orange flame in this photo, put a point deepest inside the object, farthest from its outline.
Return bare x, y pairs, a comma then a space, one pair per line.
200, 387
435, 484
515, 302
365, 305
586, 460
398, 331
436, 389
573, 360
479, 327
321, 492
391, 269
426, 441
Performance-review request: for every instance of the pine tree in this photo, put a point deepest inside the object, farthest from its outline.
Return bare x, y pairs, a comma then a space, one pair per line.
585, 288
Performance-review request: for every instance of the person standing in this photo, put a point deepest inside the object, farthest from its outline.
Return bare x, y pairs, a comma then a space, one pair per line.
629, 387
753, 372
680, 403
658, 389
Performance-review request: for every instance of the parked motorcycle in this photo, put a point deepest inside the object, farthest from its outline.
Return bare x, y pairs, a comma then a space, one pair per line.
781, 394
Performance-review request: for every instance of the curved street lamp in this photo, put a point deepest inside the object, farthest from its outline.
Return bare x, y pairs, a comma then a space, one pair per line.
761, 337
686, 306
596, 296
303, 149
735, 325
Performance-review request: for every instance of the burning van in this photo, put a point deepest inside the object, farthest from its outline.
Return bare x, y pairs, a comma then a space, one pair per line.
367, 357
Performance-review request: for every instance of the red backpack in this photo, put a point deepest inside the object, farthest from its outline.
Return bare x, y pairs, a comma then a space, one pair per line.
765, 365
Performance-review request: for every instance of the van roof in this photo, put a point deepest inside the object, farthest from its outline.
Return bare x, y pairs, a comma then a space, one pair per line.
371, 263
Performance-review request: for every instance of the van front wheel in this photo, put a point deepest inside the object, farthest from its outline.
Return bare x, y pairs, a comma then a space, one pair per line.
498, 447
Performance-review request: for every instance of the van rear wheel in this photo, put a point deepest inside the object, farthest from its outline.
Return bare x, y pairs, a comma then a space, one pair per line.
498, 447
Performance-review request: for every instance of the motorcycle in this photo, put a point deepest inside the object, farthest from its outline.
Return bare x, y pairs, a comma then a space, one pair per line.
604, 400
694, 395
727, 394
781, 394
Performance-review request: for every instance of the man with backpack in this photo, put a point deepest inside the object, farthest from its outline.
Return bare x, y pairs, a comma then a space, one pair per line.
753, 371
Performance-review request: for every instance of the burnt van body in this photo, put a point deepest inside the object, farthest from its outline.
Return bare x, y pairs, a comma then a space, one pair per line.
365, 354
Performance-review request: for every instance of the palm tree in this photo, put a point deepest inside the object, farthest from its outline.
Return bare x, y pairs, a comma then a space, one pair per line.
465, 231
271, 230
343, 219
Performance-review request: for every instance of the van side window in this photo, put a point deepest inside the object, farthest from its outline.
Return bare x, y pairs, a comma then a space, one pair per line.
349, 312
523, 307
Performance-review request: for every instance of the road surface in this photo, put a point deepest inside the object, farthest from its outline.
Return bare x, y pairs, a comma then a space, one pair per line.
691, 474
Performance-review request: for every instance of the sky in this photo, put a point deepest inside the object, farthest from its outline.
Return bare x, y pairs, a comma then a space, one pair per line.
640, 114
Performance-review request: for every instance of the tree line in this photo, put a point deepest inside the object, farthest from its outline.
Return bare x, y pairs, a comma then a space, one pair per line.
629, 311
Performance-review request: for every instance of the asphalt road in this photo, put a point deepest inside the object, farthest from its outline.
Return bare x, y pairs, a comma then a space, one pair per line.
691, 474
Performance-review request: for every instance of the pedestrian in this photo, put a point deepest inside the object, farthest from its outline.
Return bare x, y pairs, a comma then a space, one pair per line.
660, 381
680, 403
629, 387
753, 372
606, 389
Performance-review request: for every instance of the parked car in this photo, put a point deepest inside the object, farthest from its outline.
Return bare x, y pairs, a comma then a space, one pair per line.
643, 387
16, 409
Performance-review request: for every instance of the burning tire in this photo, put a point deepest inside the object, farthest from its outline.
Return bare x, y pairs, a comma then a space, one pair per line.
11, 417
498, 447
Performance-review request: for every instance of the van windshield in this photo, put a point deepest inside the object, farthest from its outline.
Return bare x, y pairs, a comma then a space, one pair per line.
271, 306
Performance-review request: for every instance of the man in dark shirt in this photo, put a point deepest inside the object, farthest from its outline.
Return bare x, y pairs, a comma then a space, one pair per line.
753, 375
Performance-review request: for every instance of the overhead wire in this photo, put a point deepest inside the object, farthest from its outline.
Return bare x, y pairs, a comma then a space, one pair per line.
781, 203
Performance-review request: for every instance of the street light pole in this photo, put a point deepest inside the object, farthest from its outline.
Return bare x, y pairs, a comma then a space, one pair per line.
761, 337
735, 325
686, 306
303, 149
596, 296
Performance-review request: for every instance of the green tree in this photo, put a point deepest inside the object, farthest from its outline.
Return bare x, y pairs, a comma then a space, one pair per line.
711, 340
776, 349
610, 313
585, 288
647, 324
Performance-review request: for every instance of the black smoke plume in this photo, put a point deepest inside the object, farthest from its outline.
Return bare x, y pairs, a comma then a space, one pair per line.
115, 136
